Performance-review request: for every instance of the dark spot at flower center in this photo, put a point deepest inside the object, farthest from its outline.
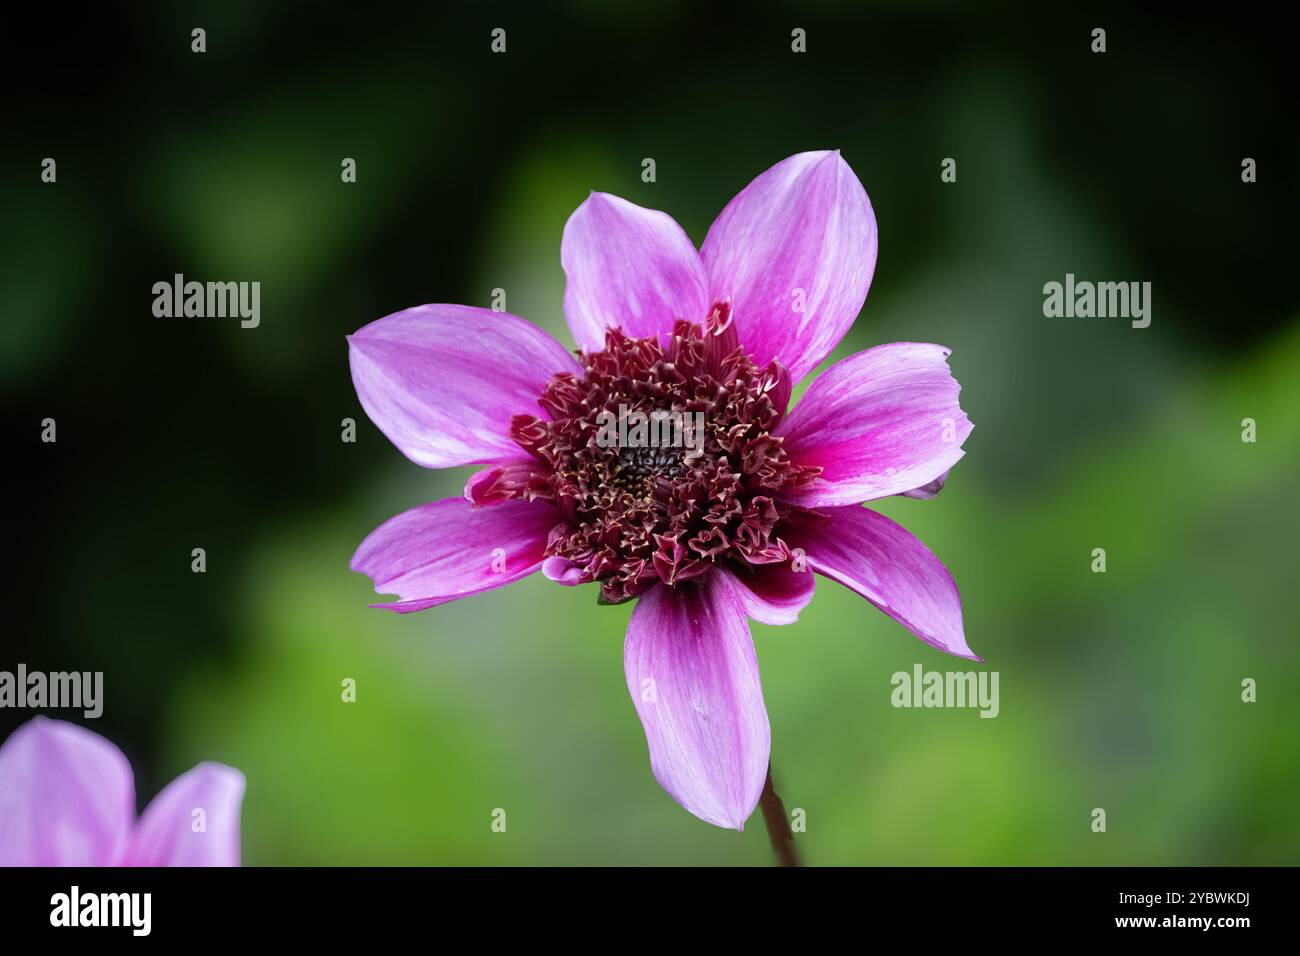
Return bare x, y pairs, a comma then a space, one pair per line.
639, 511
636, 465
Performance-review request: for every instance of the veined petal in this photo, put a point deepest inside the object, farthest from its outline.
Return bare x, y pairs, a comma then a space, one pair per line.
794, 251
442, 381
770, 593
67, 797
882, 422
629, 267
194, 820
447, 550
887, 565
693, 676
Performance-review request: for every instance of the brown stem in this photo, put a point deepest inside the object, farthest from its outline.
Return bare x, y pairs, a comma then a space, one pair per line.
778, 824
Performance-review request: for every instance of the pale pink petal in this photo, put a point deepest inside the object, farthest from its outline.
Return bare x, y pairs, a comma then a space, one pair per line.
882, 422
928, 491
67, 797
693, 676
770, 593
888, 566
563, 571
794, 251
442, 381
194, 820
447, 550
629, 267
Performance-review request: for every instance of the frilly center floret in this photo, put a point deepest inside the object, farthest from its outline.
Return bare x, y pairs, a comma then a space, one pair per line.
635, 515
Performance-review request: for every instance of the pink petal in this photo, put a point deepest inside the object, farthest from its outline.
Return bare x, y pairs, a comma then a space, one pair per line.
770, 593
794, 251
693, 676
442, 381
66, 797
629, 267
194, 821
882, 422
508, 480
447, 550
887, 565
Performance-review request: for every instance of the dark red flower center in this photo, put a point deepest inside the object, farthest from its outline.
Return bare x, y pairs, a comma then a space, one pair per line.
661, 460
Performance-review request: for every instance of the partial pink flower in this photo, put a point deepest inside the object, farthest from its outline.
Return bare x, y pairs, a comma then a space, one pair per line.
704, 541
67, 798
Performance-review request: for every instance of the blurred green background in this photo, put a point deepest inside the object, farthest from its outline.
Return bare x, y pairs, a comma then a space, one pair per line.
1118, 690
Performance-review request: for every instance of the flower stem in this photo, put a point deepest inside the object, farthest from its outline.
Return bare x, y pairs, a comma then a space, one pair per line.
778, 824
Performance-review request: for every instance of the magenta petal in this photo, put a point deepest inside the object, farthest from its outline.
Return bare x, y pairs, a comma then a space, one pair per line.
794, 251
887, 565
506, 481
693, 676
194, 821
443, 381
771, 593
480, 486
629, 267
67, 797
446, 550
882, 422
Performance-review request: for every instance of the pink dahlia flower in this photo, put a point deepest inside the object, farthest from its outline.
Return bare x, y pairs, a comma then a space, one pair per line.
702, 540
67, 798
